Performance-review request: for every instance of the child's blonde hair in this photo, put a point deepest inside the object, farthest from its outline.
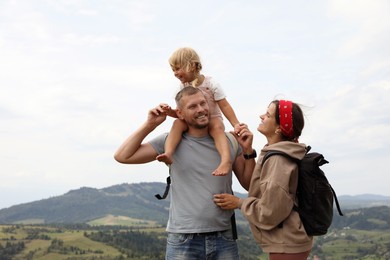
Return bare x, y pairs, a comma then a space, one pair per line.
188, 60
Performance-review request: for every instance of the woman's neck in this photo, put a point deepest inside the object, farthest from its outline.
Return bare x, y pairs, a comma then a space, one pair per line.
274, 139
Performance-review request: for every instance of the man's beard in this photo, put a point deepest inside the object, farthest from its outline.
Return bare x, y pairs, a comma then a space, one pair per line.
200, 126
196, 125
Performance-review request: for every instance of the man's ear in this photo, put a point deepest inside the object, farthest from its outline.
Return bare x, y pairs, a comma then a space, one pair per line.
179, 114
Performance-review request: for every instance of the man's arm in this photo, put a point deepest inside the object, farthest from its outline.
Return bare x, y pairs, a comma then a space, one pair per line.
133, 151
243, 168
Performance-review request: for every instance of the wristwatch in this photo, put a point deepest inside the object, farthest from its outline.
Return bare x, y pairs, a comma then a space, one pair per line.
251, 155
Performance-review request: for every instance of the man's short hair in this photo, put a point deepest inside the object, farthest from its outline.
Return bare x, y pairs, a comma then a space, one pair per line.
186, 91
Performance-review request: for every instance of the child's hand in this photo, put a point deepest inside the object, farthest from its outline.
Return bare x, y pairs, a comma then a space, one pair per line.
244, 136
168, 110
237, 128
165, 107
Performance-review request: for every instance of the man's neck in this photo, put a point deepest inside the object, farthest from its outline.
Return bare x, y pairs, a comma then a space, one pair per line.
196, 132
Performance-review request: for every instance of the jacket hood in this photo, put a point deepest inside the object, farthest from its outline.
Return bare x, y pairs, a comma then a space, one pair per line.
295, 150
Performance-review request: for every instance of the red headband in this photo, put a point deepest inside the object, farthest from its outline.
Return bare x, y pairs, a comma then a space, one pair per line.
285, 118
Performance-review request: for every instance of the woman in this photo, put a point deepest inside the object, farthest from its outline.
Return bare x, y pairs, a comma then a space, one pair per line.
276, 227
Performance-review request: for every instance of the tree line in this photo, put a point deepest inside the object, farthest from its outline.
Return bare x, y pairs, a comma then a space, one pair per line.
133, 244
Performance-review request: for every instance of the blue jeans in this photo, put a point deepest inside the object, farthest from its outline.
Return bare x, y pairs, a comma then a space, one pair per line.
213, 245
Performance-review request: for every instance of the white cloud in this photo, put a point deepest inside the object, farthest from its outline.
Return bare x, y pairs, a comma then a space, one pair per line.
79, 76
369, 23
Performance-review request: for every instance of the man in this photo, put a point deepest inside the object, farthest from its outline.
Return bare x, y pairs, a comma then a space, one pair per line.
197, 227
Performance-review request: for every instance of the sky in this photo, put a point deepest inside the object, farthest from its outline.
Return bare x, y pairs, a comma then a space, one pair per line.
78, 76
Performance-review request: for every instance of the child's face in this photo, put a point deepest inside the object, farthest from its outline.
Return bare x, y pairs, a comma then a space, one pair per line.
182, 74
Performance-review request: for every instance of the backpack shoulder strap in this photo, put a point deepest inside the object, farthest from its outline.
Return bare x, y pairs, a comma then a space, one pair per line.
275, 152
336, 201
158, 196
267, 155
234, 142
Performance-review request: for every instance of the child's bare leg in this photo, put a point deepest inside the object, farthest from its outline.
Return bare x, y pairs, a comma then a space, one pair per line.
173, 139
217, 131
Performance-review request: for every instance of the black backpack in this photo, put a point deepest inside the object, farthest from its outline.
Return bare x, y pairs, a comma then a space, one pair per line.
315, 194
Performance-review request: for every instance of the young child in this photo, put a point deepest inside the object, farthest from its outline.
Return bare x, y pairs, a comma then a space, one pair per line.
186, 66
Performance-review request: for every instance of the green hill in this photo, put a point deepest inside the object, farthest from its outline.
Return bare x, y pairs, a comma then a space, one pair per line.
126, 221
86, 204
137, 202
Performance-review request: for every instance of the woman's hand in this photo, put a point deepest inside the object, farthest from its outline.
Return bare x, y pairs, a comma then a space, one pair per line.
227, 201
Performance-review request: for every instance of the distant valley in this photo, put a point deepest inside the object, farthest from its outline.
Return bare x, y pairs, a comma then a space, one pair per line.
126, 221
132, 200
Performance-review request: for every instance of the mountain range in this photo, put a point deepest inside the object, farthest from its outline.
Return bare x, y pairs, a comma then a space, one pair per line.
132, 200
85, 204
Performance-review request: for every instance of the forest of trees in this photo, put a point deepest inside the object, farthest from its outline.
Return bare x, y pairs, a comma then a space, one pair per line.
370, 237
133, 244
10, 249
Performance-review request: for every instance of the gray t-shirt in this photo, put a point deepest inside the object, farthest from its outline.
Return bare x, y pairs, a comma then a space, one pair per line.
192, 209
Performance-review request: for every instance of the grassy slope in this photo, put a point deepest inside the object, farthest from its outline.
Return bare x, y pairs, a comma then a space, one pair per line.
111, 220
348, 243
69, 237
341, 244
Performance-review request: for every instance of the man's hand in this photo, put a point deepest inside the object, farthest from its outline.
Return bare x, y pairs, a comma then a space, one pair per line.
244, 137
158, 114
